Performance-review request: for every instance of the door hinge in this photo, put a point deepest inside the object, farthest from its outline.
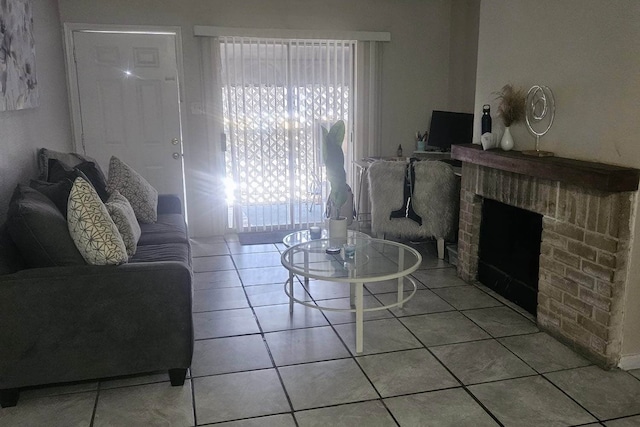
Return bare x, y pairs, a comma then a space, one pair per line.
223, 142
84, 148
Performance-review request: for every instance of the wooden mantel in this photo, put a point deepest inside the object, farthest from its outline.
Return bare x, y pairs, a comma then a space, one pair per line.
591, 175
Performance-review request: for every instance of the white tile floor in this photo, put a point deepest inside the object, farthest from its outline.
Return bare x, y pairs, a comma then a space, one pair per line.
453, 356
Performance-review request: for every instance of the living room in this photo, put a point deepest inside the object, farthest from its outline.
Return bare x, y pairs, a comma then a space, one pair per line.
449, 55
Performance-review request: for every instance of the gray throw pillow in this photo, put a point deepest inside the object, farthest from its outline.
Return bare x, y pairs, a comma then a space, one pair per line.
40, 231
96, 178
123, 216
92, 229
57, 192
71, 159
142, 196
59, 170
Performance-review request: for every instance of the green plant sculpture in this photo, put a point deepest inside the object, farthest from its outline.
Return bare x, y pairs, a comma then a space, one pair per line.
334, 162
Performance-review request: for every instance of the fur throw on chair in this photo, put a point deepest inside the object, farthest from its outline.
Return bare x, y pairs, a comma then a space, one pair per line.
436, 198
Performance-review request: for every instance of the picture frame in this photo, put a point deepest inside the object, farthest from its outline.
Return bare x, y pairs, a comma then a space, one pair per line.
18, 82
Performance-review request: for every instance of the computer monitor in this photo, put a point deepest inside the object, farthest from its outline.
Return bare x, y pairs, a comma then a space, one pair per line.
448, 128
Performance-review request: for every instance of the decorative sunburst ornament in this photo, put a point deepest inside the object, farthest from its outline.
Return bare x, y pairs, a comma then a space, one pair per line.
540, 112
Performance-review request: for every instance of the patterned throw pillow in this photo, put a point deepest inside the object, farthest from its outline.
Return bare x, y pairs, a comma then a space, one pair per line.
125, 219
140, 194
91, 228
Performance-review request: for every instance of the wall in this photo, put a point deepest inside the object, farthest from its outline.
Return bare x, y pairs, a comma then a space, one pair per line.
465, 21
22, 132
586, 51
415, 63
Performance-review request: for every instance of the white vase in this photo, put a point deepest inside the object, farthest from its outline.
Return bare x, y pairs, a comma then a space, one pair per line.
506, 143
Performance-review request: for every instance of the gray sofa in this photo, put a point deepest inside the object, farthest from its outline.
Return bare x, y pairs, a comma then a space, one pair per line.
70, 323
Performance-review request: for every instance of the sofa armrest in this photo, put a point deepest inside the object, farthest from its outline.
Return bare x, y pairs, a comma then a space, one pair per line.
169, 204
74, 323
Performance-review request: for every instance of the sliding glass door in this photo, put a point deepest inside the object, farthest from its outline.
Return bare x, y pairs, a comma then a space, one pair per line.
276, 94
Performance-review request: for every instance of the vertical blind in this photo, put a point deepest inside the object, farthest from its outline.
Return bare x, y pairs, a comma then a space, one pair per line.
276, 93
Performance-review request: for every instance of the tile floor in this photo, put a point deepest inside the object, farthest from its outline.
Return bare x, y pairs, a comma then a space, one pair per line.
454, 356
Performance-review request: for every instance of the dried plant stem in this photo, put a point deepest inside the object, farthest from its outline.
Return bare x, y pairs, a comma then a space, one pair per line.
511, 108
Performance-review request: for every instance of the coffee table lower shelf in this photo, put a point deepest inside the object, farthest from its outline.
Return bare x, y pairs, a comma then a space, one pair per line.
357, 301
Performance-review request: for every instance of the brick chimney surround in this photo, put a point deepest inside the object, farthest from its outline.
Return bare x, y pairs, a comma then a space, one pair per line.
586, 209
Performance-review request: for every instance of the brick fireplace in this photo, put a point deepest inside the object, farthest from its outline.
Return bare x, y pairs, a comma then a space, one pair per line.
586, 209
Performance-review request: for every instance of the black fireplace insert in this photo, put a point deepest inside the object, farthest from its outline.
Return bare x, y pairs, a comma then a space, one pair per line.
509, 252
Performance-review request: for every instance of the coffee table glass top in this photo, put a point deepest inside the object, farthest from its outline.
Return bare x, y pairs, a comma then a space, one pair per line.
304, 236
374, 260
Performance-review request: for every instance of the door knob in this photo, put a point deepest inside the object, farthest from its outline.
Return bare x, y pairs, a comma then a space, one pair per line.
175, 141
176, 156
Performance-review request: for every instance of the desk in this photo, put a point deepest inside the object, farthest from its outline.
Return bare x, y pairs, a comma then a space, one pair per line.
431, 155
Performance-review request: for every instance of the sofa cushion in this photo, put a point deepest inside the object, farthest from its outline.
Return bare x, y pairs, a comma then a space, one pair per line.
179, 252
10, 259
40, 231
169, 203
169, 228
91, 228
71, 159
142, 196
123, 216
57, 192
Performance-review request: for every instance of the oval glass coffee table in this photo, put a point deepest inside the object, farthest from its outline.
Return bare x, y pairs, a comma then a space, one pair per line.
375, 260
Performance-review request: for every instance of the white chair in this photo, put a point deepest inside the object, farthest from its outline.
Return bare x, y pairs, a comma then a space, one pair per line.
436, 199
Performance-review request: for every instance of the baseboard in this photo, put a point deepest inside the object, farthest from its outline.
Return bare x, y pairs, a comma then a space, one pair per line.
629, 362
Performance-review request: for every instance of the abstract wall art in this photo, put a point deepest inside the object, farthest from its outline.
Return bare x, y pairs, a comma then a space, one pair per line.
18, 83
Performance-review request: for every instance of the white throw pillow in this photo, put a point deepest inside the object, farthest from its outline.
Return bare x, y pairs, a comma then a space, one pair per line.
91, 228
140, 194
123, 216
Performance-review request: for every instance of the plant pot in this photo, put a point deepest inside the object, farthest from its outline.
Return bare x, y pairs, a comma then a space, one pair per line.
346, 210
506, 143
337, 231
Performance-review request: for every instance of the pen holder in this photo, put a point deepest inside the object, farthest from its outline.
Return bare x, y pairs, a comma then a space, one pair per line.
421, 145
315, 232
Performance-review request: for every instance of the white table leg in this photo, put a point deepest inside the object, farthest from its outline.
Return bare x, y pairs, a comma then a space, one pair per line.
306, 267
359, 199
352, 295
290, 293
359, 317
400, 279
440, 248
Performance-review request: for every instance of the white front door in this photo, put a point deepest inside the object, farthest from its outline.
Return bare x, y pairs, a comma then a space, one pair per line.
128, 102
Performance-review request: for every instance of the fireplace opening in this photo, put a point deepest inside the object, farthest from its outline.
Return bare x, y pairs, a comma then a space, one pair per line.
509, 252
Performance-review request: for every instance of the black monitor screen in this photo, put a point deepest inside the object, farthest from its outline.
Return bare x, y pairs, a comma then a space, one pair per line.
449, 128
